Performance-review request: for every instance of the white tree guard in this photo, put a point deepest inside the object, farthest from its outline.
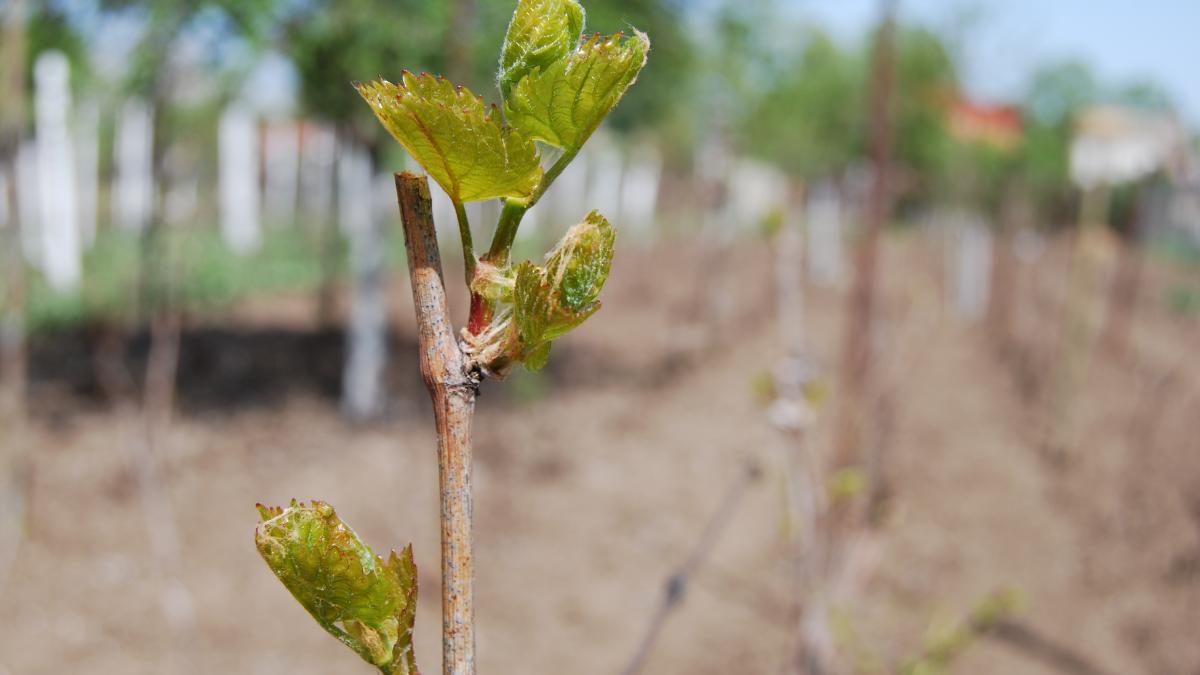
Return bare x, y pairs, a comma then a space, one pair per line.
318, 151
756, 192
974, 268
639, 193
606, 170
355, 195
237, 141
281, 166
87, 170
133, 194
363, 391
62, 250
825, 254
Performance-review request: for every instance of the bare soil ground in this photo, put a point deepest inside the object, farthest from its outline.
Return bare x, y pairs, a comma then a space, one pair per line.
596, 478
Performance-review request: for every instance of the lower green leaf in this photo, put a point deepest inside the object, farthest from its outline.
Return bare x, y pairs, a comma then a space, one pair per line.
367, 604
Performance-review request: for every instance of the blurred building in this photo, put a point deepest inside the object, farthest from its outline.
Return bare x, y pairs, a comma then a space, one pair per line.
997, 125
1114, 145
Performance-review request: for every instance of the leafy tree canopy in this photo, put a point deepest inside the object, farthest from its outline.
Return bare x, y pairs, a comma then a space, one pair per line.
810, 119
336, 42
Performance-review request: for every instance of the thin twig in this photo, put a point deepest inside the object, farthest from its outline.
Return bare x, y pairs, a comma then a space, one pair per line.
468, 246
1025, 640
676, 584
453, 384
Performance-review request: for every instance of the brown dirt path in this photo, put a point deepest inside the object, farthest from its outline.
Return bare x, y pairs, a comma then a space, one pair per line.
585, 506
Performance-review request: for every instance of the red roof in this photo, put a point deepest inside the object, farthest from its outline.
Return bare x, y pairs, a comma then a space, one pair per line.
996, 124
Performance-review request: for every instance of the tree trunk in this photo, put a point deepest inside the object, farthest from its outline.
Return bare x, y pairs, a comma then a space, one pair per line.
1126, 284
1076, 337
856, 356
363, 390
14, 458
1122, 300
12, 265
453, 385
1014, 216
162, 367
12, 306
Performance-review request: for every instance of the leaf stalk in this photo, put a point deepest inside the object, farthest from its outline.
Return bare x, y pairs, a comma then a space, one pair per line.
464, 232
514, 211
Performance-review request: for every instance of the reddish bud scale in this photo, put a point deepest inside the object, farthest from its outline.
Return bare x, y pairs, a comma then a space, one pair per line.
481, 315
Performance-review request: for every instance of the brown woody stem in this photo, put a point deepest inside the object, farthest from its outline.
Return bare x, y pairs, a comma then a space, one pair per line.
452, 387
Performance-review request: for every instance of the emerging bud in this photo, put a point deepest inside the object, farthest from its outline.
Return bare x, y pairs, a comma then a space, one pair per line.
541, 32
367, 604
493, 283
547, 302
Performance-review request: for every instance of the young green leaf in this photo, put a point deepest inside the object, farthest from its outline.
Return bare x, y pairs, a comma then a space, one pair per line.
541, 33
580, 263
532, 304
367, 604
537, 359
549, 302
564, 102
462, 143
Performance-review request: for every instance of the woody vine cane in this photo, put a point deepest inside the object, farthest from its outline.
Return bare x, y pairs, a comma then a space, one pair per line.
557, 86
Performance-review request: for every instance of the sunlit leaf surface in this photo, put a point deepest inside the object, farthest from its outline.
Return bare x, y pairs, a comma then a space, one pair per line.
366, 603
565, 101
461, 142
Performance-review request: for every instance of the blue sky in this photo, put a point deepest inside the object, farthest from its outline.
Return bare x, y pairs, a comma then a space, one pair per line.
1001, 41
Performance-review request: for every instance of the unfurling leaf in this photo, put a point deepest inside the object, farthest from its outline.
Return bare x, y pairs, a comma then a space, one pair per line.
367, 604
461, 142
563, 102
946, 641
532, 304
541, 33
580, 263
548, 302
544, 302
537, 359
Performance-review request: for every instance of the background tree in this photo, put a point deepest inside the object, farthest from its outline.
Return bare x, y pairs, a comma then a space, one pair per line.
12, 286
13, 78
926, 83
849, 449
1056, 93
810, 120
336, 42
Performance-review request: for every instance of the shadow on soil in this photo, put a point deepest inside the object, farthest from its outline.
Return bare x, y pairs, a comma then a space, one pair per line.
224, 370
